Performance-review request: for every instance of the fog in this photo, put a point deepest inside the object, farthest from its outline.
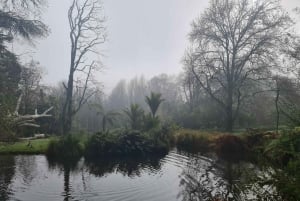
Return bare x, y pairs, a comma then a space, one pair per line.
209, 81
144, 38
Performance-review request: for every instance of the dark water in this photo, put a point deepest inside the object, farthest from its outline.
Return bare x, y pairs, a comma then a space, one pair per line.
177, 176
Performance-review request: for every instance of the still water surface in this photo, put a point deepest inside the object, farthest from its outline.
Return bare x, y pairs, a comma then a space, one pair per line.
176, 176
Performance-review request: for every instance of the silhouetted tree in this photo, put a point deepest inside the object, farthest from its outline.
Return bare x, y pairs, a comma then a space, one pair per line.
234, 43
87, 32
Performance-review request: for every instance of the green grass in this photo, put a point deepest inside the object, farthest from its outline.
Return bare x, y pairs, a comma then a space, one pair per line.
39, 146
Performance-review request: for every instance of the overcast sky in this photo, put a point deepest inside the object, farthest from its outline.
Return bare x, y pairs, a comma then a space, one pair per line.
144, 37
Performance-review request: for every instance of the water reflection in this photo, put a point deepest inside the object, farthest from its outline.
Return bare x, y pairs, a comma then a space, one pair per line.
27, 168
7, 172
127, 166
212, 180
66, 166
177, 176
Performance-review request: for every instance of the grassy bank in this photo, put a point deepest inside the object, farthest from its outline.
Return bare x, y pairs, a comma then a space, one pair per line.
227, 146
38, 146
119, 143
129, 142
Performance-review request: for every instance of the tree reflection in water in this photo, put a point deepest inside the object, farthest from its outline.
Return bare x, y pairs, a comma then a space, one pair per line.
27, 167
67, 167
7, 172
128, 166
215, 180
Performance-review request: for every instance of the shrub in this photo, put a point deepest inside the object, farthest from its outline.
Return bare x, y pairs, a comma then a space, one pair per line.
67, 147
7, 133
150, 122
162, 134
284, 151
124, 143
285, 148
230, 147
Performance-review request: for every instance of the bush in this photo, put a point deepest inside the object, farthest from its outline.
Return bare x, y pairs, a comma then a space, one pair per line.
285, 148
150, 122
162, 135
288, 182
285, 152
7, 133
67, 147
127, 142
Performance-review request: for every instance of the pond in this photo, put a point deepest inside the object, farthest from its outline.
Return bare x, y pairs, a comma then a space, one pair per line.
176, 176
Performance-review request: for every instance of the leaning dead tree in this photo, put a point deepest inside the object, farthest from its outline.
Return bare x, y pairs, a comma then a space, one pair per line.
87, 32
18, 18
29, 120
29, 84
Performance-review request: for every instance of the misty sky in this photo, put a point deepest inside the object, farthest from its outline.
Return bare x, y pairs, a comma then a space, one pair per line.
146, 37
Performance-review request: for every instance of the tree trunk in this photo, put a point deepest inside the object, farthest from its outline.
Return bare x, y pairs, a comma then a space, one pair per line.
68, 107
104, 124
229, 119
229, 110
67, 183
277, 107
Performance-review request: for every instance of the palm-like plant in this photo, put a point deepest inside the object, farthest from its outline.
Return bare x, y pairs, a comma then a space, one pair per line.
135, 114
153, 102
108, 118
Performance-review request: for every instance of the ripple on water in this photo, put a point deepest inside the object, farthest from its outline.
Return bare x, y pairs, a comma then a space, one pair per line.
173, 177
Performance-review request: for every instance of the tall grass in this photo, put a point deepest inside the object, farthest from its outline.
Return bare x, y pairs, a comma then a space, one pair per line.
195, 140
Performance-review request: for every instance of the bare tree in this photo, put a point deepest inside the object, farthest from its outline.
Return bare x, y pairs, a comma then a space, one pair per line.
87, 32
29, 86
234, 44
118, 98
191, 89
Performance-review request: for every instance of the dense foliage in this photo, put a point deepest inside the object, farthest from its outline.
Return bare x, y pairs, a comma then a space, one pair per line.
285, 151
128, 143
65, 148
